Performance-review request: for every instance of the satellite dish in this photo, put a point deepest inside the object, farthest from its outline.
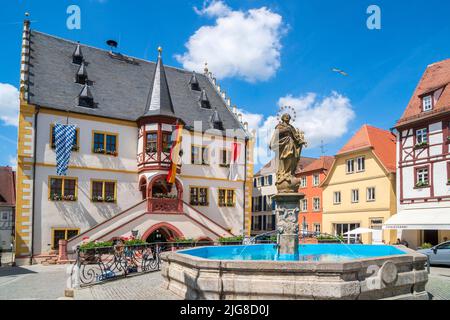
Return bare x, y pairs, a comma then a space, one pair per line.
112, 43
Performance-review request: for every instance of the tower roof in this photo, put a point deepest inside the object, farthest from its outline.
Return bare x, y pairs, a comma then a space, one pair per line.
159, 101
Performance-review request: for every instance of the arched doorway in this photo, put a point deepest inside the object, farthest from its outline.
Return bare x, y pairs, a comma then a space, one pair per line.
162, 232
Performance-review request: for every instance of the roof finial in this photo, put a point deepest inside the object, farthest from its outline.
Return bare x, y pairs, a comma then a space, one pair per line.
27, 14
159, 51
206, 68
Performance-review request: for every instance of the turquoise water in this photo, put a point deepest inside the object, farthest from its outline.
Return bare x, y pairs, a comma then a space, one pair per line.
307, 252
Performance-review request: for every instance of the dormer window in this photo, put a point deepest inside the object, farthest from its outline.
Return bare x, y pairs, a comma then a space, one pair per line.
82, 76
77, 56
427, 103
194, 82
85, 99
204, 101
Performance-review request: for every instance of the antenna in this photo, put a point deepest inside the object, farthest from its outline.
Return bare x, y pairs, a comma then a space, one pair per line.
322, 147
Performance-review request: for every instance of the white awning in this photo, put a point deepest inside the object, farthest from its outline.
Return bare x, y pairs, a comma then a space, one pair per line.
359, 231
420, 219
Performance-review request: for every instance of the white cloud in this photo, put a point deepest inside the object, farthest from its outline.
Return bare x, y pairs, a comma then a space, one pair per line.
326, 118
244, 44
213, 9
13, 162
9, 104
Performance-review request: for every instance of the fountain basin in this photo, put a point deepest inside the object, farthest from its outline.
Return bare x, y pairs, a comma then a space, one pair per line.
371, 272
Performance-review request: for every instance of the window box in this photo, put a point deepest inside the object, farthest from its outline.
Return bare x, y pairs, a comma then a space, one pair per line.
422, 184
150, 150
223, 165
69, 198
110, 199
111, 153
98, 199
164, 196
421, 145
56, 197
99, 150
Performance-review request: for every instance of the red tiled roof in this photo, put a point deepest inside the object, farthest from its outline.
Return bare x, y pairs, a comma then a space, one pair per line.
435, 77
7, 187
324, 162
270, 166
381, 141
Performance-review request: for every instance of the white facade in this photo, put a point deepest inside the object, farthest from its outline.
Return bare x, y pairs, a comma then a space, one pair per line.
85, 166
263, 215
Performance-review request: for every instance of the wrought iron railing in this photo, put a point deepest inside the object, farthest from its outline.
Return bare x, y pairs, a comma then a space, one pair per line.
97, 265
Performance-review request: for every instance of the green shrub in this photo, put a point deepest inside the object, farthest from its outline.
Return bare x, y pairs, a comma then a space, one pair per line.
426, 245
231, 239
183, 240
96, 245
134, 242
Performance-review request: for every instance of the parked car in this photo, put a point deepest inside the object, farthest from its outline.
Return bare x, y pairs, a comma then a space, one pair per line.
439, 254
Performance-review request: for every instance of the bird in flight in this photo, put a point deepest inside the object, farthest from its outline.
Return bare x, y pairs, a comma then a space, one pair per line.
340, 71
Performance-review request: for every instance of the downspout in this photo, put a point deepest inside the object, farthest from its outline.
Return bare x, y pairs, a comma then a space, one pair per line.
34, 184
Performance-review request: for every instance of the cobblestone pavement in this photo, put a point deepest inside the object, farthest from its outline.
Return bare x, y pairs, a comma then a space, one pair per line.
48, 283
439, 283
140, 287
36, 282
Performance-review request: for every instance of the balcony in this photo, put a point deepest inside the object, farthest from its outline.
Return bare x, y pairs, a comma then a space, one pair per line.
165, 205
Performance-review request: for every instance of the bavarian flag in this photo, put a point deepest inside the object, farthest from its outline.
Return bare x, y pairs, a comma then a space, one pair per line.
175, 156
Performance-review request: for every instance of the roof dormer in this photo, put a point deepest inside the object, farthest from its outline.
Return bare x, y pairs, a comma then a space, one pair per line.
194, 82
204, 101
77, 56
427, 102
85, 99
82, 76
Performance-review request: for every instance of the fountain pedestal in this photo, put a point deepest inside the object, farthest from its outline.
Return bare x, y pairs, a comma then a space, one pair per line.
286, 210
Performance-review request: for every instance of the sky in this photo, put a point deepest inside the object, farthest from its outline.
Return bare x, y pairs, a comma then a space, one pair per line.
264, 54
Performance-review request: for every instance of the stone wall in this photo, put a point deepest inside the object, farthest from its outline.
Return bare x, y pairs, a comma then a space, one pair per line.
393, 277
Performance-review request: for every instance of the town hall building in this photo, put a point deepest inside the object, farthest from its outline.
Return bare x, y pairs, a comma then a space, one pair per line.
125, 111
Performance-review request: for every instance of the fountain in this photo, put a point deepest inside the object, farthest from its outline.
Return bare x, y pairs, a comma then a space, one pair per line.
317, 271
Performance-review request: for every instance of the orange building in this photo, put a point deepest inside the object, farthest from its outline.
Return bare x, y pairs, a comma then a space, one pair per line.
311, 176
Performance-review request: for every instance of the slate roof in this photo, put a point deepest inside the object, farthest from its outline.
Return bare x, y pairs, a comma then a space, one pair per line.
120, 84
436, 77
381, 141
7, 187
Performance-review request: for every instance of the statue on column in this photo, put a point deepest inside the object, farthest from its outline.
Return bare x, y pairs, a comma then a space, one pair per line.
287, 142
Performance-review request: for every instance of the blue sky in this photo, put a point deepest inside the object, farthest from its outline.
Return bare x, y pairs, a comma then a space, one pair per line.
265, 53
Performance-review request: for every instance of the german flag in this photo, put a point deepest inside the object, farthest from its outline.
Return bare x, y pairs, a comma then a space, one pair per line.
175, 154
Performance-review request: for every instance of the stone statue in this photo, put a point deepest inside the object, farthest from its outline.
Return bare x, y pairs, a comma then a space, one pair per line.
287, 143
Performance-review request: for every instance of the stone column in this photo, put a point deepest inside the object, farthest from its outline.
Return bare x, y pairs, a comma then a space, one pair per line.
287, 209
62, 252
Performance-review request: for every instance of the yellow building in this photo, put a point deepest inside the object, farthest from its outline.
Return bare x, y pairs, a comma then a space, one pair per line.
359, 191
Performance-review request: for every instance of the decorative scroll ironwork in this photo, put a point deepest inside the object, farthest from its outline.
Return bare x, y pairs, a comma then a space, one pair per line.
101, 264
98, 265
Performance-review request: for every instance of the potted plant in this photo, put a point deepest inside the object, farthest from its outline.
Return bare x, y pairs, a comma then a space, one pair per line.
56, 197
99, 150
97, 199
109, 199
420, 145
70, 197
422, 184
